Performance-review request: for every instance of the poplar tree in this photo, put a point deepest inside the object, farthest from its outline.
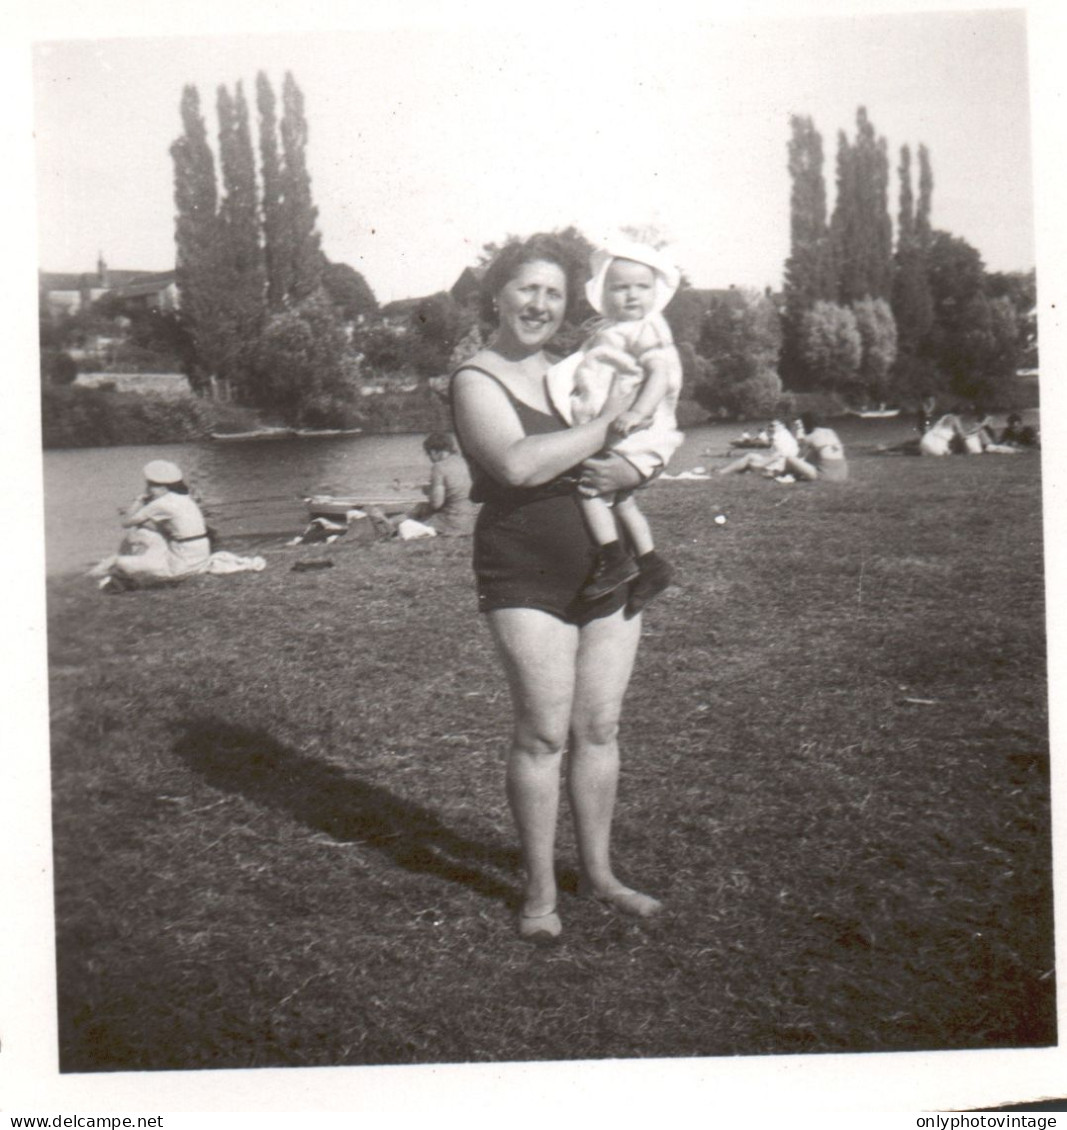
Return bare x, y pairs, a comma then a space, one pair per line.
271, 173
861, 228
911, 301
196, 237
301, 252
809, 276
241, 272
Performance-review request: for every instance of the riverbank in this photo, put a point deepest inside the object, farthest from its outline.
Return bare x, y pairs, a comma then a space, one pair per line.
281, 836
134, 409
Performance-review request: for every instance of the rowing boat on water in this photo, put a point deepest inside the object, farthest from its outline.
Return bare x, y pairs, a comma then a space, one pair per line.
338, 506
285, 433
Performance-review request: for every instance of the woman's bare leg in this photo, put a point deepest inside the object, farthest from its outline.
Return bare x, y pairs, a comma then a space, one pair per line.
750, 461
538, 652
605, 660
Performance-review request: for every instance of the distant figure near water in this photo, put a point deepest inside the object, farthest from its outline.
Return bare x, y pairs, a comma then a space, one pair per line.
167, 539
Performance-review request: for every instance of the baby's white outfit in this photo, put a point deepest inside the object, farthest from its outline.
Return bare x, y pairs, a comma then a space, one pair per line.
579, 384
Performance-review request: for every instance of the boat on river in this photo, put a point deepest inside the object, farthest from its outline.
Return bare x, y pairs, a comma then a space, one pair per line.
284, 433
338, 506
882, 413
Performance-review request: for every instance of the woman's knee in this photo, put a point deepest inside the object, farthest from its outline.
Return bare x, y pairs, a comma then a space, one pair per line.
597, 726
540, 738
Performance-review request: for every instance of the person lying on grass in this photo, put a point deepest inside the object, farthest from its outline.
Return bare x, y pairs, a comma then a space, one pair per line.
821, 454
783, 444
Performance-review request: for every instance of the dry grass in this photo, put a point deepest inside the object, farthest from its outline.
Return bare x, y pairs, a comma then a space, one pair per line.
281, 836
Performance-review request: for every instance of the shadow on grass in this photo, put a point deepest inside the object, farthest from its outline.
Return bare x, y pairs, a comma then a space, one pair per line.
324, 797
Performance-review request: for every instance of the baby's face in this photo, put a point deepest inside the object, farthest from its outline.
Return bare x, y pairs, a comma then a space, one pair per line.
629, 290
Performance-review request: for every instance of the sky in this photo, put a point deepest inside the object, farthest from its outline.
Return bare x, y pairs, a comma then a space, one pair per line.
429, 140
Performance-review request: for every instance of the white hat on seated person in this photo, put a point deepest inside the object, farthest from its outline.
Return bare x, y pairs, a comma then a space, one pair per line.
163, 472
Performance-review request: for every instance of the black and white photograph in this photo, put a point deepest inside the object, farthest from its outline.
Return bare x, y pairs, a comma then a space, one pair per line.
536, 551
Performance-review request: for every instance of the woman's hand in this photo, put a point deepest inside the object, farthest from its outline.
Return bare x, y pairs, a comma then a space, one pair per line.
604, 474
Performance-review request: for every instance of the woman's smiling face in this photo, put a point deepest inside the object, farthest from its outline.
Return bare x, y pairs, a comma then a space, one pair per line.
531, 304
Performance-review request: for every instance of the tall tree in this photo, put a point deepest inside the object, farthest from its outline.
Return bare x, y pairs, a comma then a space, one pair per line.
301, 251
271, 172
924, 208
241, 272
196, 236
809, 276
911, 301
861, 228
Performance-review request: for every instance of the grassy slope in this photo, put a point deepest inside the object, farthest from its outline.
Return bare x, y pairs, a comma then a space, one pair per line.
281, 835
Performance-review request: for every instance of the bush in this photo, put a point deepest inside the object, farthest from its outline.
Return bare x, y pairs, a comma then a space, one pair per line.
102, 417
61, 368
421, 411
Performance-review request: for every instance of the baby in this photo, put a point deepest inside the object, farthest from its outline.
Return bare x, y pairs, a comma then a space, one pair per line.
631, 285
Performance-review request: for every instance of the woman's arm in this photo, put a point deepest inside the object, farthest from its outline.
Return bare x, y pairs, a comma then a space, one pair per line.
436, 496
138, 513
491, 434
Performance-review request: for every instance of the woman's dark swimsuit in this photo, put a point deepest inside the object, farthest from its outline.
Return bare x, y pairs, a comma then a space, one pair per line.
532, 547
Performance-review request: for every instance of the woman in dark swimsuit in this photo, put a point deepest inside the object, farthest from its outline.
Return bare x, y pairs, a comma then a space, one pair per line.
567, 663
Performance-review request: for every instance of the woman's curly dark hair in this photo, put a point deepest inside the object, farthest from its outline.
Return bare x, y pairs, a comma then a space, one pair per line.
512, 257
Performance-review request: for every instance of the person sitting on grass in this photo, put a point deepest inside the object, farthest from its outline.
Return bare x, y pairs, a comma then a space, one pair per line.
944, 437
448, 511
821, 454
167, 539
783, 444
1018, 434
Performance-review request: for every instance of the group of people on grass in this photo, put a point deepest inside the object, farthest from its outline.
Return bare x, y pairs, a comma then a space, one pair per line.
811, 451
973, 433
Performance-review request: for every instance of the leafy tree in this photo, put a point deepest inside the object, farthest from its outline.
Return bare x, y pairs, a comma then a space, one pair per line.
861, 230
437, 324
878, 339
300, 252
911, 300
809, 276
975, 341
241, 273
741, 340
832, 347
306, 374
349, 292
271, 172
196, 237
1020, 288
685, 315
465, 348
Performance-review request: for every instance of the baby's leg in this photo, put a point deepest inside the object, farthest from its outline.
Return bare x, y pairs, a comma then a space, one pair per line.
634, 523
654, 573
599, 520
613, 567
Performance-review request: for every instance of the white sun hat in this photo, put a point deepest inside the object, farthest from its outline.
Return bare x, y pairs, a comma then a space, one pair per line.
667, 275
163, 472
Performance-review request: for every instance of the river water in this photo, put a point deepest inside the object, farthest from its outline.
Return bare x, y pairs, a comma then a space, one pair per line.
252, 490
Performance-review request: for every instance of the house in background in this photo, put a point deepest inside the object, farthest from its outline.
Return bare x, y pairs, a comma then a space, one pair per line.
133, 290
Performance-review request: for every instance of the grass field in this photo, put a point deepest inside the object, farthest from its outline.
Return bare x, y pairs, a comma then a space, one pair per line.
281, 835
